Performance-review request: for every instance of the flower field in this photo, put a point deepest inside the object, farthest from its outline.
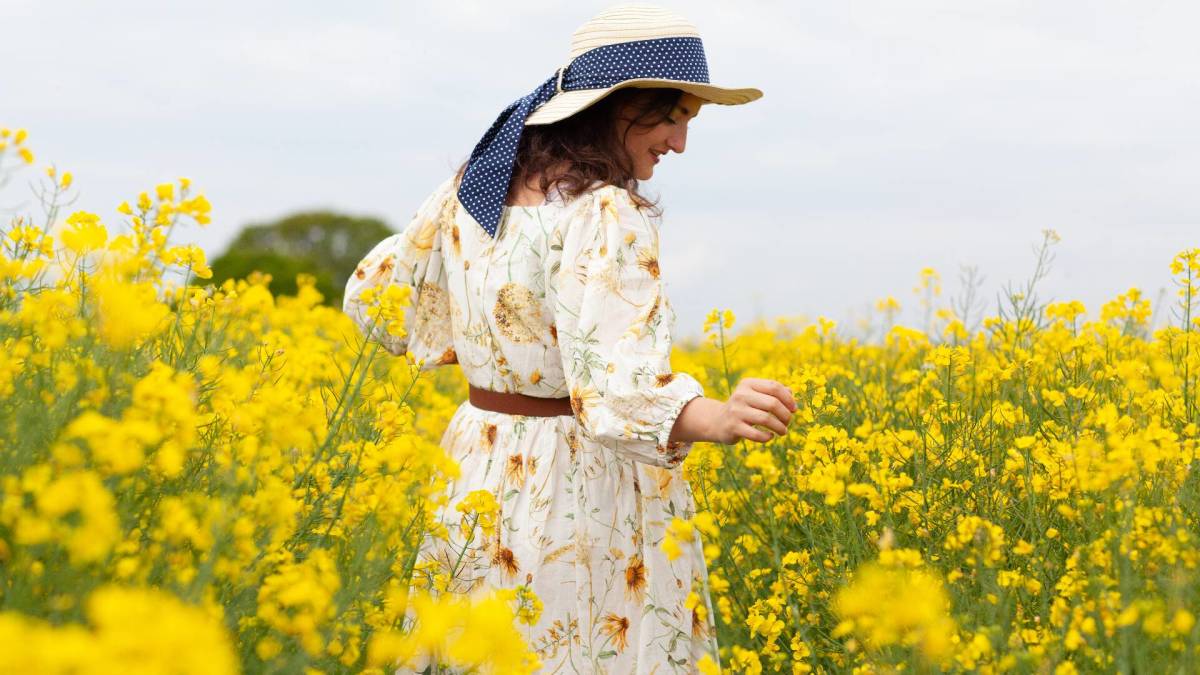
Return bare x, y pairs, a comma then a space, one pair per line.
203, 479
1022, 498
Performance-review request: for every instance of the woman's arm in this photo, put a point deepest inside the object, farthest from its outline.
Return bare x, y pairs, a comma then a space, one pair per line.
695, 420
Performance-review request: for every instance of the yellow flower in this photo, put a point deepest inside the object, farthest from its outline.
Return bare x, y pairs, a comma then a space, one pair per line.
678, 530
297, 598
73, 509
86, 232
483, 505
268, 648
128, 312
897, 606
529, 606
930, 282
769, 626
190, 256
390, 308
745, 661
171, 636
1183, 621
977, 537
717, 318
198, 208
888, 304
459, 632
116, 447
764, 462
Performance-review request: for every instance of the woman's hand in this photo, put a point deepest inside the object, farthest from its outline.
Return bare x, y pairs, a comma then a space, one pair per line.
755, 401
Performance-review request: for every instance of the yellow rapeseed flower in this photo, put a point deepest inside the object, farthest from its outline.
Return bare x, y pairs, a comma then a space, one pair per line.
483, 506
127, 312
897, 606
85, 234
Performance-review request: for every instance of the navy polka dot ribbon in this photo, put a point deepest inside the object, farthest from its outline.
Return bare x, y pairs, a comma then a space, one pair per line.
489, 170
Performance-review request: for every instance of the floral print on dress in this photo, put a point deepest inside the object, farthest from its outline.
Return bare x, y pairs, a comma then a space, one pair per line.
567, 300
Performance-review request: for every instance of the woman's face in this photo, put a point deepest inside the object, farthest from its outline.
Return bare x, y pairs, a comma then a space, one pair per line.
646, 145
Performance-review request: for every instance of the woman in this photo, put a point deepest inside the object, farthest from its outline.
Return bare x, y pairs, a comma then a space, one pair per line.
535, 268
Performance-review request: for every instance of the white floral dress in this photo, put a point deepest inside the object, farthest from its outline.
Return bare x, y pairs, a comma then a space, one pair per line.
567, 300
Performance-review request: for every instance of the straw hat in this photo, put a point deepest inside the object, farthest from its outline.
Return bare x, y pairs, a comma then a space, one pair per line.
631, 23
624, 46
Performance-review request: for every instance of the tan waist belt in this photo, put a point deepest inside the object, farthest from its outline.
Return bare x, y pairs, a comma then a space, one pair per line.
519, 404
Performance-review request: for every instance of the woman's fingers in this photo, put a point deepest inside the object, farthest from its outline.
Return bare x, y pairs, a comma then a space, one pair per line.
772, 406
746, 413
774, 389
765, 403
769, 420
752, 434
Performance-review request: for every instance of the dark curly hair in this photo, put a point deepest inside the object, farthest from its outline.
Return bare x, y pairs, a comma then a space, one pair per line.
586, 144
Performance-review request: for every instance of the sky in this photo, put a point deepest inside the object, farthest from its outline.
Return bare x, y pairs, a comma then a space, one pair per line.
891, 137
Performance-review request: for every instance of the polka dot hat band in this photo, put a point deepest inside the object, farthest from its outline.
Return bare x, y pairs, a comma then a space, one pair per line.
627, 45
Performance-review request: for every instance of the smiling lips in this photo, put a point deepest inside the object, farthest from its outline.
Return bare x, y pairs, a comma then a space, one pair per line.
655, 156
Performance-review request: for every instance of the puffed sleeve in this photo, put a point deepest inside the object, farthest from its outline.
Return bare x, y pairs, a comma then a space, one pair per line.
614, 327
413, 258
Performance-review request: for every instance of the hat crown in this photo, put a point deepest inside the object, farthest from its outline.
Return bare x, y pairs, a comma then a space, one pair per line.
629, 23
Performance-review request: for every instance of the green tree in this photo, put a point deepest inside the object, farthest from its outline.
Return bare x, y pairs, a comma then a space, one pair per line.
325, 244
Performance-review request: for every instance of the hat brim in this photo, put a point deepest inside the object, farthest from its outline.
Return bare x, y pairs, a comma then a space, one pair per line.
566, 103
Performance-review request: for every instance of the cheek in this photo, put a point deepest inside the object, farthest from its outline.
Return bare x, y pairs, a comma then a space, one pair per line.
639, 145
656, 138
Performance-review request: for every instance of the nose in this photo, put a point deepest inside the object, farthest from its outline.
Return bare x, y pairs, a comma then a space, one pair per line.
677, 141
